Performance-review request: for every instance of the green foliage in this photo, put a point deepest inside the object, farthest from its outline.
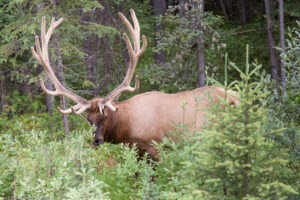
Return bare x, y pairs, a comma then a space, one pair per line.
37, 160
284, 111
233, 158
179, 40
18, 104
292, 8
39, 164
238, 159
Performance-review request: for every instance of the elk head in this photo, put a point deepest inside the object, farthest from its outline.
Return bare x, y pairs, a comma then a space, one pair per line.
97, 109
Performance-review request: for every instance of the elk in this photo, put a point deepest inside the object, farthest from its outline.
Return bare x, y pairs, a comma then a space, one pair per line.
142, 119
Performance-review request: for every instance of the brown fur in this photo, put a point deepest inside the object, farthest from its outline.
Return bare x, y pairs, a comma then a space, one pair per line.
150, 116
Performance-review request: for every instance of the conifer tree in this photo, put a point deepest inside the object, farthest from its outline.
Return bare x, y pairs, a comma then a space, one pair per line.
234, 157
240, 159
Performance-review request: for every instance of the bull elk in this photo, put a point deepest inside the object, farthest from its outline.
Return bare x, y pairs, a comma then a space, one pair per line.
141, 119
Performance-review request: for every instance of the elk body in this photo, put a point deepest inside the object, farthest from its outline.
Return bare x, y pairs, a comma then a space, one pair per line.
141, 119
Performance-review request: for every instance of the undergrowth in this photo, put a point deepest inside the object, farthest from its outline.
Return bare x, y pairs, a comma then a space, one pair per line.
46, 164
245, 154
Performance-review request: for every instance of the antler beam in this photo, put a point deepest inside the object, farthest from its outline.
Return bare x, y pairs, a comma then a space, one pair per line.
41, 54
134, 53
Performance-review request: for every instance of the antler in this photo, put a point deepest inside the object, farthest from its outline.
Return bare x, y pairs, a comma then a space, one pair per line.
41, 54
134, 54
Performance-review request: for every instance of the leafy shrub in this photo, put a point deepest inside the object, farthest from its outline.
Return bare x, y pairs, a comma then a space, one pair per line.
41, 164
284, 111
233, 158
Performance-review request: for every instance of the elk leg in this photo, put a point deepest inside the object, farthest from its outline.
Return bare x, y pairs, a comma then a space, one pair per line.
153, 153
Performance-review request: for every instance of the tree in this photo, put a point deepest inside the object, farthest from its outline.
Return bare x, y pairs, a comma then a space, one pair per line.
2, 91
273, 55
159, 9
49, 99
90, 47
234, 156
282, 43
223, 6
106, 18
61, 78
25, 89
198, 7
59, 68
182, 4
242, 6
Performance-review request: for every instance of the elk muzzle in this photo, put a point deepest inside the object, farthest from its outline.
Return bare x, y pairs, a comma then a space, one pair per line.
97, 142
99, 135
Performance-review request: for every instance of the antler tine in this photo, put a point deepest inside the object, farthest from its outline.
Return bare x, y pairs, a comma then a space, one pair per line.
134, 53
143, 47
70, 110
41, 54
129, 46
136, 38
43, 37
127, 23
49, 92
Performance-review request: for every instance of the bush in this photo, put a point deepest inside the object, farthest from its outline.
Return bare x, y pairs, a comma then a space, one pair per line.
233, 158
41, 164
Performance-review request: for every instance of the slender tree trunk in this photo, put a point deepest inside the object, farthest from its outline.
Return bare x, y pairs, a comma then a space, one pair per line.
247, 157
105, 17
61, 76
90, 47
49, 99
200, 46
182, 8
273, 55
223, 6
49, 86
25, 89
2, 91
159, 7
107, 61
282, 44
243, 12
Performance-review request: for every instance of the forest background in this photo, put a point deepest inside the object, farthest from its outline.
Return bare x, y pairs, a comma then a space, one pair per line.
191, 43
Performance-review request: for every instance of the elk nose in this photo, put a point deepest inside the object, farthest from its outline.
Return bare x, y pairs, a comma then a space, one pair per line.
90, 121
98, 142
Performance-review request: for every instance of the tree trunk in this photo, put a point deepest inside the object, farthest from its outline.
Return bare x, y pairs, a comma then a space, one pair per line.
200, 45
107, 62
223, 6
49, 98
273, 55
48, 84
61, 78
2, 91
25, 89
243, 12
159, 7
90, 47
282, 44
182, 8
247, 156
